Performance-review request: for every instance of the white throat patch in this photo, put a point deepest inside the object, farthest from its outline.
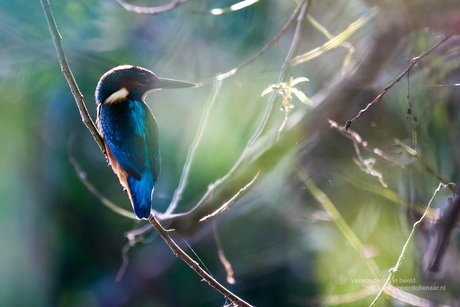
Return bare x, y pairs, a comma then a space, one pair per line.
118, 96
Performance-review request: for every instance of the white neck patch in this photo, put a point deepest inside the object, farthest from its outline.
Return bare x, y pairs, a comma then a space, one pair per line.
117, 96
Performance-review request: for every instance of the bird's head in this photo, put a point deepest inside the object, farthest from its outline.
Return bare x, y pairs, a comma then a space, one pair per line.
133, 81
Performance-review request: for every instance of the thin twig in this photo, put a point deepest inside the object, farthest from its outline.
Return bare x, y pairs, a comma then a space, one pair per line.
191, 152
194, 265
413, 62
401, 256
220, 251
68, 75
414, 153
261, 51
104, 200
260, 129
228, 203
356, 138
183, 180
124, 264
274, 95
151, 10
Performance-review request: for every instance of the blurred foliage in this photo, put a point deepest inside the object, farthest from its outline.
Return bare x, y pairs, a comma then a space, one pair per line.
61, 247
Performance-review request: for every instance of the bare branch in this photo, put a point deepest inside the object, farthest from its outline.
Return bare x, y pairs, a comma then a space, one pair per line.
191, 152
261, 51
227, 204
413, 62
356, 139
194, 265
245, 169
68, 75
104, 200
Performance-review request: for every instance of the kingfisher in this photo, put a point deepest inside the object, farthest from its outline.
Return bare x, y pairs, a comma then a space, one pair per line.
130, 131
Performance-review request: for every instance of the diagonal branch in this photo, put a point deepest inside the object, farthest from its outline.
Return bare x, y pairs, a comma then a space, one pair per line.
413, 62
69, 76
191, 152
104, 200
262, 50
194, 265
401, 256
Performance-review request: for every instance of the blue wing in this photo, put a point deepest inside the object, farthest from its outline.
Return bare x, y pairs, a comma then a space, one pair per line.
152, 142
131, 133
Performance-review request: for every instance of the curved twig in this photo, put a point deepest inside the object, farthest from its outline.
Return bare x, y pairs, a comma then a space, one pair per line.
191, 152
151, 10
401, 256
262, 50
104, 200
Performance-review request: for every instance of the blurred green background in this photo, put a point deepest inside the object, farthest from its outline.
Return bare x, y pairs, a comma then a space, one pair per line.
59, 246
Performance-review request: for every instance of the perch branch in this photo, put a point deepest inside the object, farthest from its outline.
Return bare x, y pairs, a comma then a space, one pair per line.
69, 76
194, 265
88, 122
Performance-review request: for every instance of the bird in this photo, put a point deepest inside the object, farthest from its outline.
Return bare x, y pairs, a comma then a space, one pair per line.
130, 131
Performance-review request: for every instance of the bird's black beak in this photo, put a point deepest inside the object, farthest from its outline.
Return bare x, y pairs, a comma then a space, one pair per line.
171, 84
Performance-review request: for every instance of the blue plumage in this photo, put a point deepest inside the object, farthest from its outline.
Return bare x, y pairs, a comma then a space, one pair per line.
130, 131
131, 134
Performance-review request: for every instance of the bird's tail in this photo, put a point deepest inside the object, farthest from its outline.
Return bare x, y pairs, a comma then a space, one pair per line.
141, 194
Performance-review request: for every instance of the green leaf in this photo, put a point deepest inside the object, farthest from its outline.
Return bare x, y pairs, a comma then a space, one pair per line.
334, 42
347, 59
268, 90
298, 80
302, 97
